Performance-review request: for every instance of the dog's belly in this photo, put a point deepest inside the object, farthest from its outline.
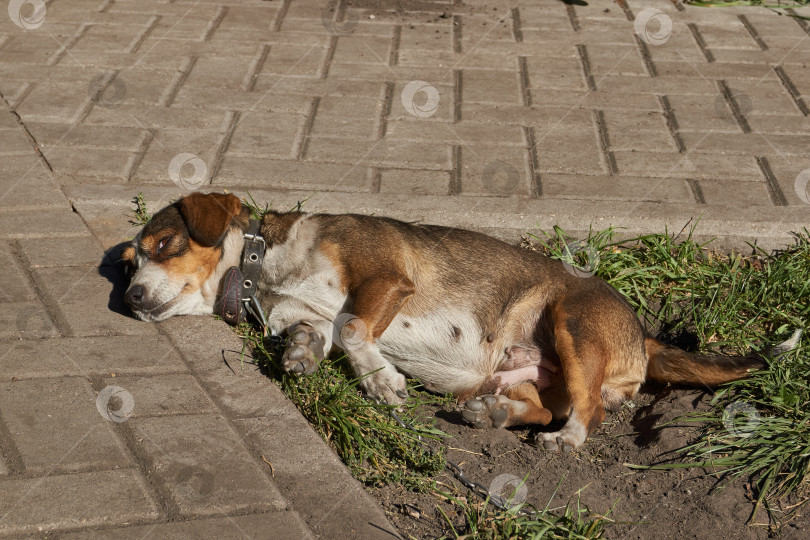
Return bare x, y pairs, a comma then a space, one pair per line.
442, 349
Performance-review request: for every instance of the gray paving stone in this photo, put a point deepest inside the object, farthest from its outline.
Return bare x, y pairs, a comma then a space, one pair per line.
274, 96
253, 171
252, 138
557, 73
747, 143
717, 191
154, 167
75, 251
282, 525
415, 182
45, 223
82, 136
84, 297
332, 502
494, 170
55, 102
112, 222
14, 285
158, 117
14, 143
162, 395
27, 184
606, 188
786, 170
799, 125
383, 153
55, 426
204, 465
58, 503
457, 133
239, 387
119, 355
25, 320
691, 165
90, 164
563, 151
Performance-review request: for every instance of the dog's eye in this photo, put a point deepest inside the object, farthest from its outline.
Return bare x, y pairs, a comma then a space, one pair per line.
162, 243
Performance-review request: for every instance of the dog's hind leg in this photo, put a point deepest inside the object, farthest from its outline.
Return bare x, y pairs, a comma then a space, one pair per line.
583, 358
516, 406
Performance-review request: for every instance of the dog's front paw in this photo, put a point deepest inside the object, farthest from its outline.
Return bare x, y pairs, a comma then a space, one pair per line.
486, 411
304, 350
386, 385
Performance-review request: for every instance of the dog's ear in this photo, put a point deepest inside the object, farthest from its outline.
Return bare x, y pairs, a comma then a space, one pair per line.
208, 216
128, 259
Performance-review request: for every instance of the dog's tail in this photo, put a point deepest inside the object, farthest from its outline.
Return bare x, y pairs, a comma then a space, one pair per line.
673, 365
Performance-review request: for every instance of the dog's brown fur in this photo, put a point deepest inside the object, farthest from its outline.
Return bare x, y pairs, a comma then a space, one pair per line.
515, 336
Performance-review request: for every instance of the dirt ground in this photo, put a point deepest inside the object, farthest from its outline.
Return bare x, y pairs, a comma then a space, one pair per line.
645, 504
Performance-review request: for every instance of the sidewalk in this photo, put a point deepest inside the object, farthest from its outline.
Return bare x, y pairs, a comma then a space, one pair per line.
500, 116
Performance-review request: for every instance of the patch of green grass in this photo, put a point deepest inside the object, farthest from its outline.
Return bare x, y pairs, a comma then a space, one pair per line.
482, 522
363, 433
759, 426
140, 214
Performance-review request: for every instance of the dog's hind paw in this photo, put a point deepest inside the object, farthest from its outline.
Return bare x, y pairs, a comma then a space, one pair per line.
558, 441
487, 411
304, 350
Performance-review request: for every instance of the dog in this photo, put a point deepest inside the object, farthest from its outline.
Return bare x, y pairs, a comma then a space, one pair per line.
511, 333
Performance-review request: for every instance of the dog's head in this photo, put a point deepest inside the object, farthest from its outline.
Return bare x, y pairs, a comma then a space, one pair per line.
179, 257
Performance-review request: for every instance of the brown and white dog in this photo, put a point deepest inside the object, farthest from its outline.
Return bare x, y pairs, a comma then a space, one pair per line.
516, 337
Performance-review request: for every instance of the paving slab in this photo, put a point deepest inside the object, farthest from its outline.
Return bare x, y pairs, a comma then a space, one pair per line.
204, 465
286, 525
55, 425
64, 502
88, 356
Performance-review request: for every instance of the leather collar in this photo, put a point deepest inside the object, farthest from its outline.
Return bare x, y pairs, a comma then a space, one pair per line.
239, 284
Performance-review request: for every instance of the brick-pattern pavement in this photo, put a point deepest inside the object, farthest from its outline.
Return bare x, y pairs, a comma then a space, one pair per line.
110, 427
487, 114
571, 111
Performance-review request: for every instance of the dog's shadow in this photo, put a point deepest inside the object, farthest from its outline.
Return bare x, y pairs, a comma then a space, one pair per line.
112, 269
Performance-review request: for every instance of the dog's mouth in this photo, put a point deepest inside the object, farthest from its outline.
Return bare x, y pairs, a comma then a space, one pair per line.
154, 314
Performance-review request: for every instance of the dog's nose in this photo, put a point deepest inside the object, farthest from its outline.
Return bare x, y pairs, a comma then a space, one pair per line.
134, 296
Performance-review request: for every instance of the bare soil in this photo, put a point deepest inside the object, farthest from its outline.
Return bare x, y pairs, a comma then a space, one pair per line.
684, 503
